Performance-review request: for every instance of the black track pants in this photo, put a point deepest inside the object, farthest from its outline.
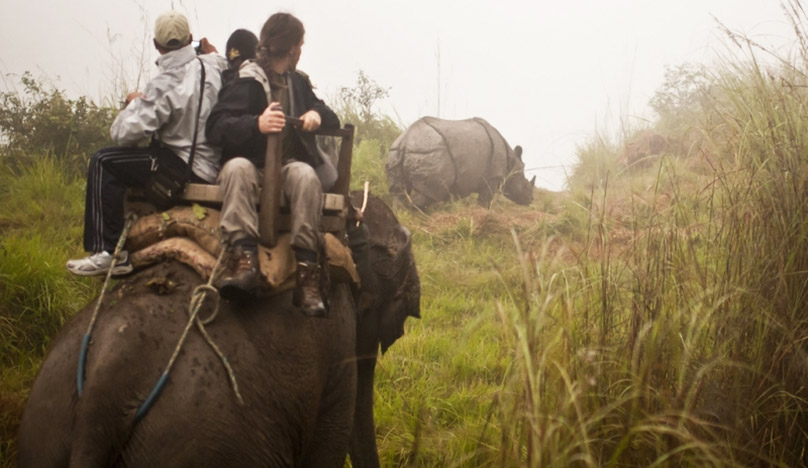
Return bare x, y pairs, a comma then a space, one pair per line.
111, 172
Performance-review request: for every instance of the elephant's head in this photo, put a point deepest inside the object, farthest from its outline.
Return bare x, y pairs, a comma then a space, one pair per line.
516, 186
396, 293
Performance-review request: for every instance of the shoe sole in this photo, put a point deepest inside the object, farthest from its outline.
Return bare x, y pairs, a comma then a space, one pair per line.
119, 270
122, 270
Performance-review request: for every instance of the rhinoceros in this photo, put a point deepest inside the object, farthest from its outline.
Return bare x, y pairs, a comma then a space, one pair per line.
435, 159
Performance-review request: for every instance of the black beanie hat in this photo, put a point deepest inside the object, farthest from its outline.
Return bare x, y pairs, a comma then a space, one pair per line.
241, 45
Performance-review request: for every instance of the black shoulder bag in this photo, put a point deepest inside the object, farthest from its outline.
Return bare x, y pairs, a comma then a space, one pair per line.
170, 174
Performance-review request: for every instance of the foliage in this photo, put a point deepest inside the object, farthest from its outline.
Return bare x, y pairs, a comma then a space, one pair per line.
364, 95
368, 166
597, 162
437, 386
40, 224
680, 100
43, 120
676, 337
356, 106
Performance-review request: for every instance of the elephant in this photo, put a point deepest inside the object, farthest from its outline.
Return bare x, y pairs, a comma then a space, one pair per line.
436, 159
305, 383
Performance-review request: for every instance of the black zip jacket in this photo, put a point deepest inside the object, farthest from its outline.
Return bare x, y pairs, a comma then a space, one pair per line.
233, 122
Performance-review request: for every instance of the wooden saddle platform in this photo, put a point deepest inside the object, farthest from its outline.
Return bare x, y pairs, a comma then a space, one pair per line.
189, 232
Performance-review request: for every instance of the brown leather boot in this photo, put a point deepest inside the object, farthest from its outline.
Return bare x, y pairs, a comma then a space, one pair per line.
245, 279
307, 289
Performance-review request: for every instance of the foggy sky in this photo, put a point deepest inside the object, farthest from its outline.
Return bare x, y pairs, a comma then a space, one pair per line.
547, 74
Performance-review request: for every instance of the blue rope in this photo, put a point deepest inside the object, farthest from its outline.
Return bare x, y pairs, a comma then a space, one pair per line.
146, 405
196, 303
197, 299
85, 343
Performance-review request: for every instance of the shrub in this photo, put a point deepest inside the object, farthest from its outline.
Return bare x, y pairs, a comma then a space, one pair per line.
679, 101
356, 106
43, 120
597, 162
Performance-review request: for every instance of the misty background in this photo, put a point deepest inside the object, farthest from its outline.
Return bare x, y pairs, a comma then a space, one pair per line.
547, 75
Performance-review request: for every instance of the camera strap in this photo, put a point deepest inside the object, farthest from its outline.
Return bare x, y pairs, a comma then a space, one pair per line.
196, 122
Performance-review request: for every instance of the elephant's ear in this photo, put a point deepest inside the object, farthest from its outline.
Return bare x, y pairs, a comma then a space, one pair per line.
398, 293
398, 273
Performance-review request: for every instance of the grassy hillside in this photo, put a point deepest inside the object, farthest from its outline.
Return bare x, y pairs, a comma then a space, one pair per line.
652, 315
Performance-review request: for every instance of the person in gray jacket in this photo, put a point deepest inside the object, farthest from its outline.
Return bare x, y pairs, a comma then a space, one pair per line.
164, 112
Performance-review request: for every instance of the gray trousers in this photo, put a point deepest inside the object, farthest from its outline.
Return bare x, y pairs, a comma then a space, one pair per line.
240, 183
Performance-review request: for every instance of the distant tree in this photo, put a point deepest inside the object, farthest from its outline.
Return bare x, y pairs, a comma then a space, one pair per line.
681, 98
43, 120
364, 95
357, 106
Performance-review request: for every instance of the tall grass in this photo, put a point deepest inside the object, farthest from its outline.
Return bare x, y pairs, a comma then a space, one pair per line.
368, 166
40, 220
683, 343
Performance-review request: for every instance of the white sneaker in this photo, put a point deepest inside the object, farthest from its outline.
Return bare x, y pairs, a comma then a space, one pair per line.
99, 263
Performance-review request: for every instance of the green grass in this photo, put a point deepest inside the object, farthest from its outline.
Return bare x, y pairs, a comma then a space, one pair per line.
40, 222
368, 166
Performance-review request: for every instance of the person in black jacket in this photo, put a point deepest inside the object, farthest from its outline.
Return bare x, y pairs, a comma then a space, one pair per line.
250, 107
240, 48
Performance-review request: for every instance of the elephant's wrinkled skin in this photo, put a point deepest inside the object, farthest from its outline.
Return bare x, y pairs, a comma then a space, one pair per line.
302, 384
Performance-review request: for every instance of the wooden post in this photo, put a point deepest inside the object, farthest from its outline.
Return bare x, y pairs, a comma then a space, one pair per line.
270, 210
343, 184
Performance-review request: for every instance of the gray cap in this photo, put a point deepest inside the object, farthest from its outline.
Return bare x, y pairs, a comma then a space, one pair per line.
171, 30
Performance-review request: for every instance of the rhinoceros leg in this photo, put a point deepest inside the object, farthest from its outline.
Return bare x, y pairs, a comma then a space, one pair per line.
485, 196
420, 200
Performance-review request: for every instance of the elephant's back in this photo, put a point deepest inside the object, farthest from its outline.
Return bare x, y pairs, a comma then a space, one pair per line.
277, 356
282, 363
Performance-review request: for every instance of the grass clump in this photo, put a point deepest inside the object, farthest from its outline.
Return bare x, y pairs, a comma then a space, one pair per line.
368, 166
676, 337
40, 223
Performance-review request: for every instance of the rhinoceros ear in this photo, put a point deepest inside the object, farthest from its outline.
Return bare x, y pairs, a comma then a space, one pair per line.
518, 151
533, 181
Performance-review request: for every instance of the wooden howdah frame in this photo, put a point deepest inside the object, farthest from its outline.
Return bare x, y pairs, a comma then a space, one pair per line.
273, 212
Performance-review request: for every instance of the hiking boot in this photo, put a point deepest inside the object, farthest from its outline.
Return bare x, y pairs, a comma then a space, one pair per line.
245, 280
99, 264
307, 294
